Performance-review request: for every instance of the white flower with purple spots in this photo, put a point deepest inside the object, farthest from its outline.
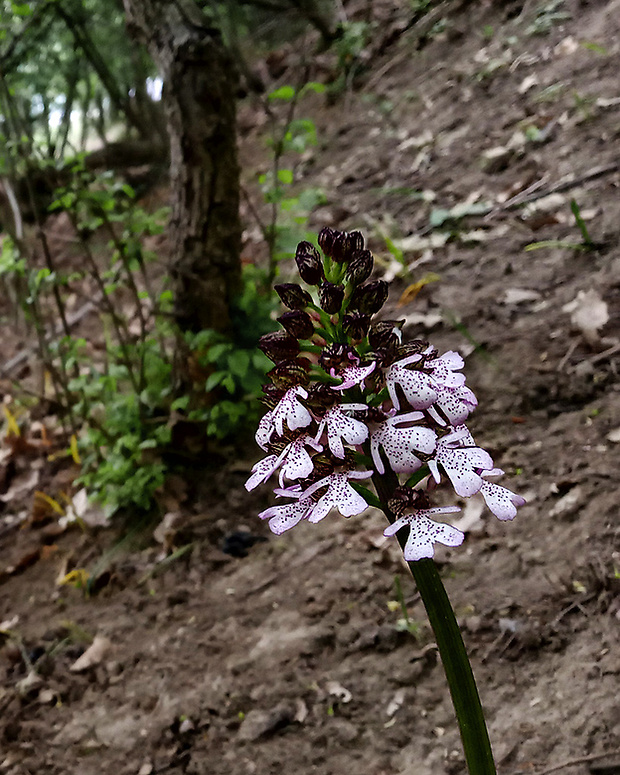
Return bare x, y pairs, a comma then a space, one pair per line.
294, 462
500, 500
416, 385
339, 426
287, 515
339, 495
456, 404
401, 443
262, 471
425, 532
289, 410
461, 460
444, 369
352, 375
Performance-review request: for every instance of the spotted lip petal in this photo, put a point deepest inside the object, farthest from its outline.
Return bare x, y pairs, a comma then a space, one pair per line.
500, 500
353, 375
461, 463
400, 444
455, 403
425, 532
262, 471
340, 426
296, 461
444, 369
339, 495
285, 516
416, 385
289, 409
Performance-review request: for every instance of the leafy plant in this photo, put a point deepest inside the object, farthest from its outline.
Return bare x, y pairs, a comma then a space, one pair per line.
547, 16
139, 385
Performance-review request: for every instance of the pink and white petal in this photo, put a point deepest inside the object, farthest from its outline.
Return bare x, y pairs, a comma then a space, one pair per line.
297, 461
375, 439
322, 508
501, 501
262, 471
392, 529
444, 369
456, 403
285, 516
424, 533
465, 481
434, 469
418, 389
351, 502
359, 474
393, 393
264, 431
353, 375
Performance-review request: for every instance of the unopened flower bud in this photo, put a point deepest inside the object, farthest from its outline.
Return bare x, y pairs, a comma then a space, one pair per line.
355, 241
321, 397
334, 356
309, 263
360, 266
293, 296
331, 297
272, 396
298, 324
279, 346
326, 240
406, 498
340, 247
369, 298
323, 466
287, 374
355, 325
385, 333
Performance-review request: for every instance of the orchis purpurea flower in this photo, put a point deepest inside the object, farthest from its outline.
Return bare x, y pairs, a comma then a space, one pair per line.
425, 532
349, 398
288, 409
294, 462
400, 444
340, 426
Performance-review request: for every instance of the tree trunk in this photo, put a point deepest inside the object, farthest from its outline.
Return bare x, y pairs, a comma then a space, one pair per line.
200, 83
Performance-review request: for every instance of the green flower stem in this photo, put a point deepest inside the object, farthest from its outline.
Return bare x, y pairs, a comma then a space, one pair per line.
465, 697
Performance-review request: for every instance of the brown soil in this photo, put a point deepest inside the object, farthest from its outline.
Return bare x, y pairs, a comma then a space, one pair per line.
289, 659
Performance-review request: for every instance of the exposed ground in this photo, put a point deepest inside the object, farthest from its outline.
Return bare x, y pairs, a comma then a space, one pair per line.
289, 659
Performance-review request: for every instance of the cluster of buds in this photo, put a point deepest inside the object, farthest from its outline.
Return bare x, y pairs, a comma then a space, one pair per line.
348, 399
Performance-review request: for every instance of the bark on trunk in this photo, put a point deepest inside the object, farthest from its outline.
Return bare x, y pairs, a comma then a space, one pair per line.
200, 83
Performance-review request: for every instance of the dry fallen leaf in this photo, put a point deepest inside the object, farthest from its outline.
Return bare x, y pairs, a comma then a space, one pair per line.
93, 655
588, 313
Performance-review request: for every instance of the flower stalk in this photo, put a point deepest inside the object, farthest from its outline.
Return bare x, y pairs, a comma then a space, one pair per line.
456, 664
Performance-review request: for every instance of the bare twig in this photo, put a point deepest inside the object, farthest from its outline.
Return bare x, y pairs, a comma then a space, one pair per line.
562, 185
568, 763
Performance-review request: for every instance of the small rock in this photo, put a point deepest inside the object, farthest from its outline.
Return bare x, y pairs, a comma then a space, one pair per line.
496, 159
261, 723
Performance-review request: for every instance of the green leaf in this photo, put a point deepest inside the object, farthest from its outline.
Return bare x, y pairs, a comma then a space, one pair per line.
239, 362
317, 88
214, 380
229, 383
285, 176
283, 93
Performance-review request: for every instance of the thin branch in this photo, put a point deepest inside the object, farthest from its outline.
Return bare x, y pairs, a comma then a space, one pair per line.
569, 763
